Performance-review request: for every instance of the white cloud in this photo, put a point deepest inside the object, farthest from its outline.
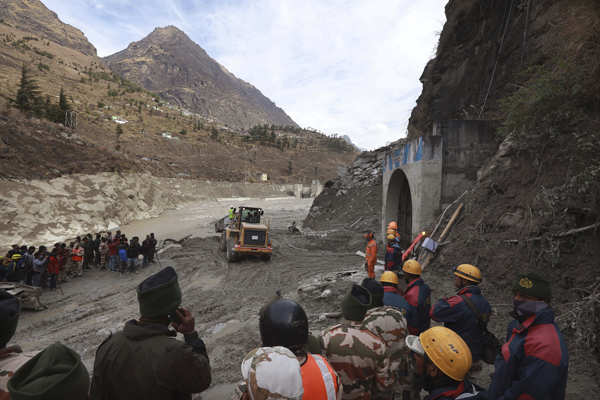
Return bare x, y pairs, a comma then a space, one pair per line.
347, 67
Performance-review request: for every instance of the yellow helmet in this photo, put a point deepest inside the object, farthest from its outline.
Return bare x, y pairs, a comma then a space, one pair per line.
468, 272
412, 267
391, 236
393, 225
448, 351
389, 277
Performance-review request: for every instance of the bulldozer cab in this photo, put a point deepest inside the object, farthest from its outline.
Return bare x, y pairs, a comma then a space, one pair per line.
249, 215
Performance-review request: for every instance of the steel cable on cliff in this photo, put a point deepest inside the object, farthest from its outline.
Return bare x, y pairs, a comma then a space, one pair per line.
504, 32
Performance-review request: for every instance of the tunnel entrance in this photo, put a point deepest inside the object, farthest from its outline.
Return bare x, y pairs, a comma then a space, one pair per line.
399, 206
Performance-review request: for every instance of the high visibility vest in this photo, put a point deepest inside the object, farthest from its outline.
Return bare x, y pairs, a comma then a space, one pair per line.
319, 379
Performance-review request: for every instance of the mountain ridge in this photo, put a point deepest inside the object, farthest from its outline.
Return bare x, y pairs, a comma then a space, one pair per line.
34, 16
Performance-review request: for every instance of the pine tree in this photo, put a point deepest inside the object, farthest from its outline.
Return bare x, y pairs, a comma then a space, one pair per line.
28, 98
63, 104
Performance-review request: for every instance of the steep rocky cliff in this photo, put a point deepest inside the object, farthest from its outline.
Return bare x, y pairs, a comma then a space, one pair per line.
484, 49
168, 62
33, 16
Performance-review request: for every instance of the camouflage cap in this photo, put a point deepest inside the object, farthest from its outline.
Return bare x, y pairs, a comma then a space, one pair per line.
272, 373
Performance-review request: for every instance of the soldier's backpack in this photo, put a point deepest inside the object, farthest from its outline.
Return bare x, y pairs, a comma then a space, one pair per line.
491, 344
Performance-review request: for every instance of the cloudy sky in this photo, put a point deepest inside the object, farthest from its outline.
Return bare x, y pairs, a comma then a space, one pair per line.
340, 66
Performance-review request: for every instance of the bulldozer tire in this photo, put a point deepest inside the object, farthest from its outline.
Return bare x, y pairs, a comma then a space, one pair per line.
223, 242
231, 256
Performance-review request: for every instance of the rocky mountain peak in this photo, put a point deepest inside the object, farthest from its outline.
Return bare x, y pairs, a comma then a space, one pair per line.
167, 61
34, 16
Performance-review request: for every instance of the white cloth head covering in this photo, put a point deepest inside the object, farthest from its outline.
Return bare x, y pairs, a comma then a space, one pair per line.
272, 373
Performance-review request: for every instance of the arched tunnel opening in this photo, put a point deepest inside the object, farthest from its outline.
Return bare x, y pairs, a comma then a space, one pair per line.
399, 206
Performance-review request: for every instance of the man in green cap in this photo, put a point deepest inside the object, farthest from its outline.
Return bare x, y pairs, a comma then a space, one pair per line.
144, 360
359, 356
11, 357
56, 373
534, 360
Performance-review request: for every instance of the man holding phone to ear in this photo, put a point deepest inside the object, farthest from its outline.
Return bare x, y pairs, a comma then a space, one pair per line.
144, 360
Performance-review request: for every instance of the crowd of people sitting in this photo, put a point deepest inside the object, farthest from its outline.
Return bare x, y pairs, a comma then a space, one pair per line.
44, 267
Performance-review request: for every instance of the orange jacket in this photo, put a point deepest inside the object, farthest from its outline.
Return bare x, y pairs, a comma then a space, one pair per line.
371, 253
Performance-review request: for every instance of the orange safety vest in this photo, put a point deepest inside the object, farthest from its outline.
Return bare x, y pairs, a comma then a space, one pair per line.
319, 379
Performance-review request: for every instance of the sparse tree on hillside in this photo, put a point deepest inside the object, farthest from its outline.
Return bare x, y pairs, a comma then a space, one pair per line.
290, 169
118, 132
63, 103
214, 133
28, 98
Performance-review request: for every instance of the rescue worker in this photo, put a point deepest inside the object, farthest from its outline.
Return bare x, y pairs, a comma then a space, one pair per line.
144, 361
231, 213
391, 294
534, 360
418, 296
442, 360
55, 373
11, 357
457, 312
393, 253
284, 323
370, 254
358, 355
270, 373
389, 323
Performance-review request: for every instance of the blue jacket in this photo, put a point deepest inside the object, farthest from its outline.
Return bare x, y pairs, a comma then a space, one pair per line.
534, 361
465, 390
392, 297
418, 297
456, 315
393, 257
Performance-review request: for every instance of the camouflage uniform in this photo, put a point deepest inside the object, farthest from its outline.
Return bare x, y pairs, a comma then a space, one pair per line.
11, 359
360, 359
389, 323
270, 373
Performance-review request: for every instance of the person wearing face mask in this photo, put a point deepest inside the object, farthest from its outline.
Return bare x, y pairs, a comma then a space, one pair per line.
442, 360
534, 360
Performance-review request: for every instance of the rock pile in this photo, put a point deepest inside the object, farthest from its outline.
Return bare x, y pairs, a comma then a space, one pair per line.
352, 201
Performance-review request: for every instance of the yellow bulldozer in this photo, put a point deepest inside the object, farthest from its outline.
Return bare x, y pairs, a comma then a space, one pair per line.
244, 234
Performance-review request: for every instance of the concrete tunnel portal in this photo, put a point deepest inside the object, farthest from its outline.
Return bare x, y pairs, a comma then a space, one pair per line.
423, 175
399, 205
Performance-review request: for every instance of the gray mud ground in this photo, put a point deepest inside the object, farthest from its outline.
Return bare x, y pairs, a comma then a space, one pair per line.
226, 298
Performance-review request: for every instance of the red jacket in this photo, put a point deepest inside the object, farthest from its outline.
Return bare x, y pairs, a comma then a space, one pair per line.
53, 265
112, 248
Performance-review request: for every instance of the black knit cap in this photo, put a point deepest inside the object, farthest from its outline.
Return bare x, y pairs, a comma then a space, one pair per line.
533, 285
376, 289
159, 294
356, 303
